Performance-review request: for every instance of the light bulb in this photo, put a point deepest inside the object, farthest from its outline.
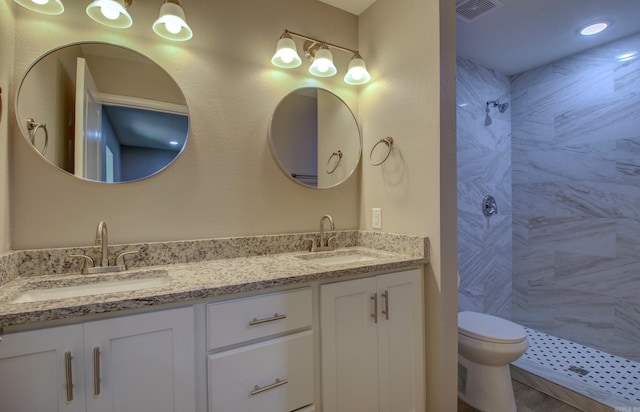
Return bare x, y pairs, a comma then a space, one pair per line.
173, 25
357, 73
322, 65
286, 55
109, 11
50, 7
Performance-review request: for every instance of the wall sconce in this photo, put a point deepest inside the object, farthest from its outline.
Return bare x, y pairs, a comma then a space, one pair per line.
286, 57
172, 24
111, 13
51, 7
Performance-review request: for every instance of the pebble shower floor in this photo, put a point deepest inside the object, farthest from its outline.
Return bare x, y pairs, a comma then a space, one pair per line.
610, 373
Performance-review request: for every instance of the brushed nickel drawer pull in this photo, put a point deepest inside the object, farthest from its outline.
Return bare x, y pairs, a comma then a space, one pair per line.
258, 390
374, 315
273, 318
69, 376
96, 371
385, 312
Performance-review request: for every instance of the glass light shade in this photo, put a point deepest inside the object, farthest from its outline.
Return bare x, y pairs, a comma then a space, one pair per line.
357, 73
51, 7
172, 23
286, 55
111, 13
322, 65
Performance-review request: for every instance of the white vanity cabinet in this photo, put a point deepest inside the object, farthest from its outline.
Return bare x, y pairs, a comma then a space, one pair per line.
35, 367
261, 353
132, 363
372, 344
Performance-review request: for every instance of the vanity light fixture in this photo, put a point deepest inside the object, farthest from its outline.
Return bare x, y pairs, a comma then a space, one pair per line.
111, 13
51, 7
172, 23
318, 51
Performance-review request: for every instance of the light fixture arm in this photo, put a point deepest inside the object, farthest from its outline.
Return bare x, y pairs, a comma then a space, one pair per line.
335, 46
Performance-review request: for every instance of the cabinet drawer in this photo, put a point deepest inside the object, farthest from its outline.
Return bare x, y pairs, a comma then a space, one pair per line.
275, 375
243, 320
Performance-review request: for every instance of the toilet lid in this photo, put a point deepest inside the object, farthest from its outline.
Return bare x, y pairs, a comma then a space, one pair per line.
489, 328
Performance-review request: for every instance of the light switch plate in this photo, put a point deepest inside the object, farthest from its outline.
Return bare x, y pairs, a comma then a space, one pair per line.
376, 218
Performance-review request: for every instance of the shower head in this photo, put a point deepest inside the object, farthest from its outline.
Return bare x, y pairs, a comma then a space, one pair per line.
502, 107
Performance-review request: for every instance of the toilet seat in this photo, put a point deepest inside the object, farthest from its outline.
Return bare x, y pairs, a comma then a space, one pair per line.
489, 328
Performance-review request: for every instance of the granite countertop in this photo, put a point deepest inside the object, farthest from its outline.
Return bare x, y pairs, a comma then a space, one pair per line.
189, 282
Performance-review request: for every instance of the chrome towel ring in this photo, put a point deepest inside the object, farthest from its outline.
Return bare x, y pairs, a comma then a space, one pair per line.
387, 141
33, 128
337, 154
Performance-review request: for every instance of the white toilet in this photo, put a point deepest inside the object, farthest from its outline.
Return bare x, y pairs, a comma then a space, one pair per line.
486, 346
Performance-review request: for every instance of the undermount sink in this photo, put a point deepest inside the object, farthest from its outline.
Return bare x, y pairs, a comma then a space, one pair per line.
338, 257
94, 285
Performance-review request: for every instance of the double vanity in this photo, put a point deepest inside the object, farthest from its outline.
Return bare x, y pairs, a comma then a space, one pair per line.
238, 324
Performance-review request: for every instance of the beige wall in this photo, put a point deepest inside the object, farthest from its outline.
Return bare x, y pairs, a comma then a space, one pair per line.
226, 183
412, 57
6, 73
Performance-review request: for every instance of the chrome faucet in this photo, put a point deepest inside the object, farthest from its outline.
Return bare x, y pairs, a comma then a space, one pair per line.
102, 240
329, 243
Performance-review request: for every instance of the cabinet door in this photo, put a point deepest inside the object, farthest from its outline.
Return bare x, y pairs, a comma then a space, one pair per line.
141, 363
35, 371
349, 346
401, 342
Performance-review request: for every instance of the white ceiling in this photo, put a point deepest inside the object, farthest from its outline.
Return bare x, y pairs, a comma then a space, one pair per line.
524, 34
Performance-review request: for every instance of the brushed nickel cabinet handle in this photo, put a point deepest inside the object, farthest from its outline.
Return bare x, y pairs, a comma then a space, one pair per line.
96, 371
273, 318
385, 312
258, 390
374, 315
69, 376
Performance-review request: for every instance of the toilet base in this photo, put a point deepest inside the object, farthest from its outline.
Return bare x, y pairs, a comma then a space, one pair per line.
486, 388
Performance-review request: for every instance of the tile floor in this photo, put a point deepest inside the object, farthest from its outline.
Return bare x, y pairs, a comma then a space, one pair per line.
529, 400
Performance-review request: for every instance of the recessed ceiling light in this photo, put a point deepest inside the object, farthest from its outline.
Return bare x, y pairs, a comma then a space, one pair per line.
594, 28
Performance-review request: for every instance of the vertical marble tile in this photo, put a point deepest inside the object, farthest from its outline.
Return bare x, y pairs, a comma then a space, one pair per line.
484, 167
576, 198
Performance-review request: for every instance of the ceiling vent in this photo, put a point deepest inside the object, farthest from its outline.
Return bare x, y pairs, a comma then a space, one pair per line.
469, 10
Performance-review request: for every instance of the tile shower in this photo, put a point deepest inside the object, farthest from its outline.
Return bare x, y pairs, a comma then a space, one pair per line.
562, 256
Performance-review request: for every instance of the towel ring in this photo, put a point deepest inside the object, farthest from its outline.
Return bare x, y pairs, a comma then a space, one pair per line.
389, 142
33, 128
334, 154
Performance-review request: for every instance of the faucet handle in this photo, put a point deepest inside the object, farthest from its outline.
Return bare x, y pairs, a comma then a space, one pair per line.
314, 246
120, 258
333, 240
87, 262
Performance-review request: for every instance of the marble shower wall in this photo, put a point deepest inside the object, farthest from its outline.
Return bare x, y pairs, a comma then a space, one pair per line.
576, 199
484, 167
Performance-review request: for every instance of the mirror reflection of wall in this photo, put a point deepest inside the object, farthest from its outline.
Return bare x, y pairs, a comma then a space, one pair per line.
309, 128
112, 115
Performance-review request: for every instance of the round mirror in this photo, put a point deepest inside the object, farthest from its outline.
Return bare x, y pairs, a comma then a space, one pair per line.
102, 112
315, 138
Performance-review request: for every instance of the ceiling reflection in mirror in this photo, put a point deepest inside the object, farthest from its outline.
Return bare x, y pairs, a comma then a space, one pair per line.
102, 113
315, 138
